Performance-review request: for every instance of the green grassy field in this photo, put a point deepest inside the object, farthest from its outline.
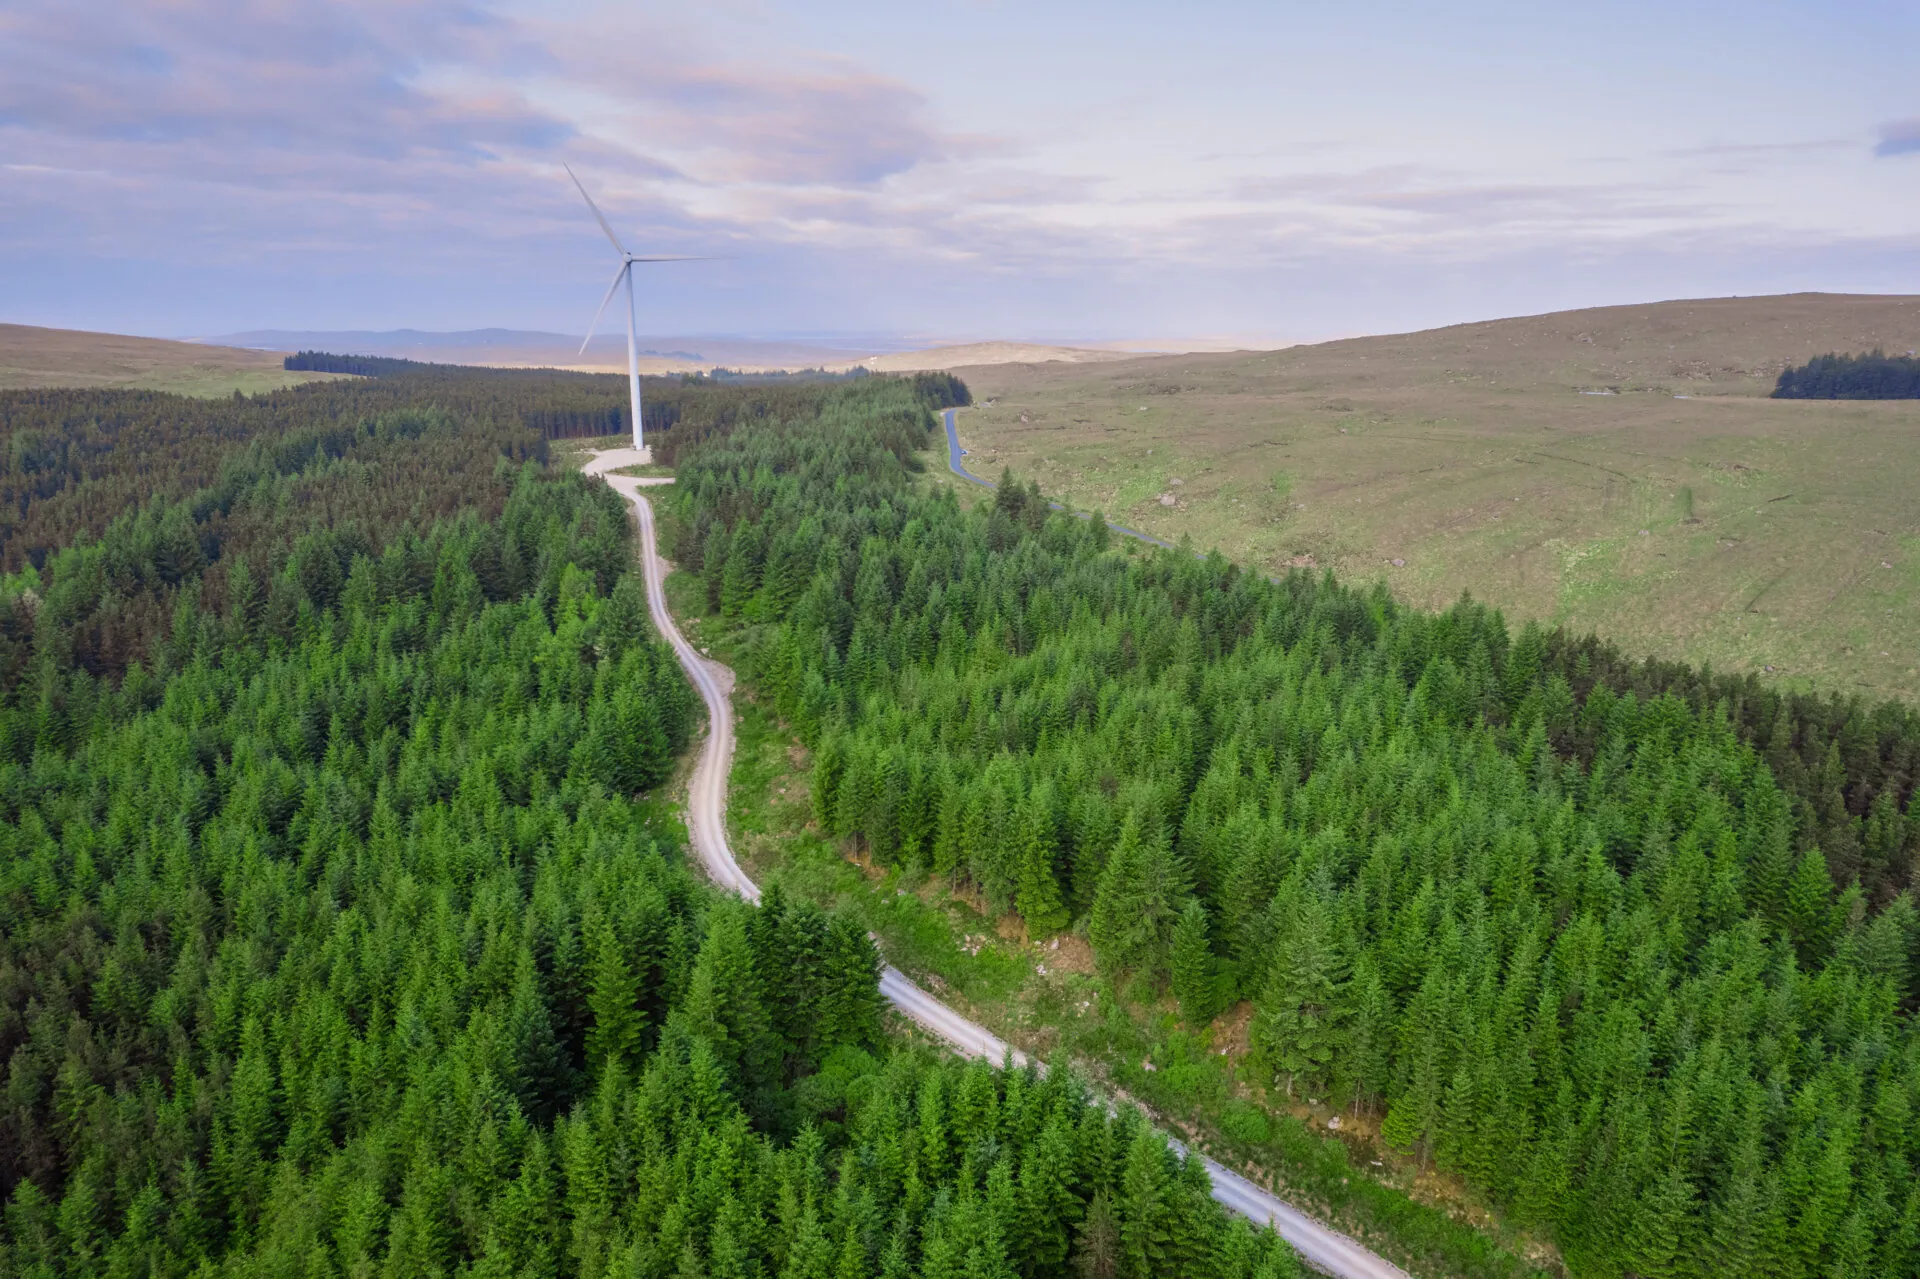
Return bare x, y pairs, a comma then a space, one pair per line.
31, 358
1617, 470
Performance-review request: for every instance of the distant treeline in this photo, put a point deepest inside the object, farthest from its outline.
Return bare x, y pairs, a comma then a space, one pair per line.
358, 365
720, 374
559, 404
1878, 376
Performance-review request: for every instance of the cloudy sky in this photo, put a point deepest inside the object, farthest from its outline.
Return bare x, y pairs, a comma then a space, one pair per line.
1049, 169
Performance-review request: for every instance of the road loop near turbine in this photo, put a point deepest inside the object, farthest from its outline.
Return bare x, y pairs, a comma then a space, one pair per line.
1321, 1247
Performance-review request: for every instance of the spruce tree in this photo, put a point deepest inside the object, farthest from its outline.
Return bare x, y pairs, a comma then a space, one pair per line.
1099, 1253
618, 1023
1194, 977
1147, 1213
1137, 906
1298, 1013
1039, 899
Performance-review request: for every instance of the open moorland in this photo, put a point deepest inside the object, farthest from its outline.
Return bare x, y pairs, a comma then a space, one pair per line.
1617, 469
32, 358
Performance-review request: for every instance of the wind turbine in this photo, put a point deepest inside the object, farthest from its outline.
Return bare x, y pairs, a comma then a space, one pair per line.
625, 273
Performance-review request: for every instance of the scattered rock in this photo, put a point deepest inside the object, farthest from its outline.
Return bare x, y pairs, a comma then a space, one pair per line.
1333, 1122
1025, 418
1176, 480
1167, 499
1886, 564
1397, 563
1645, 533
1148, 1065
1302, 561
1767, 669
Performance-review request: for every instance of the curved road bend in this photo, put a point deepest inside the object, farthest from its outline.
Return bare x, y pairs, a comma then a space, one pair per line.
1322, 1248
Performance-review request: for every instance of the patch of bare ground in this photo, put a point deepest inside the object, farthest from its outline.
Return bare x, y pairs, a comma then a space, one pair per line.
1233, 1030
1068, 953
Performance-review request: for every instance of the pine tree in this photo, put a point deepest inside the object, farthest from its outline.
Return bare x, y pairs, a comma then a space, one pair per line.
723, 1003
614, 1040
1298, 1013
1194, 977
1809, 908
851, 1006
1364, 1062
1661, 1228
1039, 897
852, 1263
1147, 1216
1099, 1253
1138, 903
1051, 1208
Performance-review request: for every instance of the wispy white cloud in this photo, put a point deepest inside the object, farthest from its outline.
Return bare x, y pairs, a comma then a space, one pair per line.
419, 138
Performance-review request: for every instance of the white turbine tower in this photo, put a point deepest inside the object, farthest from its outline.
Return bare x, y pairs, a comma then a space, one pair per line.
625, 273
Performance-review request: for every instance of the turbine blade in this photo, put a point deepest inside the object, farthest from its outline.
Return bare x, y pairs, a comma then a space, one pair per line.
617, 277
679, 257
596, 210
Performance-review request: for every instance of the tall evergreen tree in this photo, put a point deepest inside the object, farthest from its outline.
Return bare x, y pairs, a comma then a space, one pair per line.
1195, 981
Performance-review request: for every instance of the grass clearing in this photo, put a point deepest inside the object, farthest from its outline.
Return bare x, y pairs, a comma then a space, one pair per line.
1616, 470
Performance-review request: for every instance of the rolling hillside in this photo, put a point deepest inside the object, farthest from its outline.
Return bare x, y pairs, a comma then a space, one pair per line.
33, 357
1616, 469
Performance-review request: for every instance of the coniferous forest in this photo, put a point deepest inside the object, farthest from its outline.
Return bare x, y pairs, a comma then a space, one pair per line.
1875, 376
340, 933
1628, 948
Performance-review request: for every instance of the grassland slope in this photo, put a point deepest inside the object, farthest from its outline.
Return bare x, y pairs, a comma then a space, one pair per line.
1616, 469
32, 358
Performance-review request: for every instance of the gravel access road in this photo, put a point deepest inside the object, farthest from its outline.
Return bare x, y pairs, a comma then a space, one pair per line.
1321, 1247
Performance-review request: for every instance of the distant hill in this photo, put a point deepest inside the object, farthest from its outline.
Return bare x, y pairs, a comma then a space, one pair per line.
529, 348
33, 357
608, 351
1617, 469
973, 354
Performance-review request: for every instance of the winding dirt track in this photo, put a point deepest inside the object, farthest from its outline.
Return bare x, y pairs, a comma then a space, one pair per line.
1323, 1248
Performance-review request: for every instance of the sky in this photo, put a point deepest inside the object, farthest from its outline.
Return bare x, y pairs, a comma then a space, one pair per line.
1207, 171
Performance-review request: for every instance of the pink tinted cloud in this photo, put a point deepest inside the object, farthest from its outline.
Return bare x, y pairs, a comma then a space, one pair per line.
215, 118
1899, 137
811, 120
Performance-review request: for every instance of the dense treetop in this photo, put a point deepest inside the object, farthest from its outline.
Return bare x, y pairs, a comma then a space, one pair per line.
338, 935
1573, 940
